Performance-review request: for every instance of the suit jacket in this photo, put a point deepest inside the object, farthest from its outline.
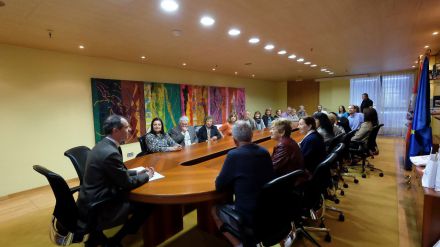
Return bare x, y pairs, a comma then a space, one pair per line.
313, 150
366, 103
106, 176
178, 137
202, 134
287, 157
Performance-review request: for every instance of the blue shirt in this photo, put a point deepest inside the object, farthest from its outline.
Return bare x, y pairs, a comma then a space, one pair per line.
356, 120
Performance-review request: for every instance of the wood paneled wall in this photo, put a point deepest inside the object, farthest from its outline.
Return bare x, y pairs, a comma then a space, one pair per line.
303, 93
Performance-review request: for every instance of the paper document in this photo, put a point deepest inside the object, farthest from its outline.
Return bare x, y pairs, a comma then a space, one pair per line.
421, 160
156, 176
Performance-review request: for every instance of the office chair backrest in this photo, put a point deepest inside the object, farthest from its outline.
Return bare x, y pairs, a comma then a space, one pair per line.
78, 156
371, 144
274, 205
66, 211
338, 149
347, 138
335, 141
143, 144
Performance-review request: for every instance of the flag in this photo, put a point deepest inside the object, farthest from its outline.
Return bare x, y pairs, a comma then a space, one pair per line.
421, 135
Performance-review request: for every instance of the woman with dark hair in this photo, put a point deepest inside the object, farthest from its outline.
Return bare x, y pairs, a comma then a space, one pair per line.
286, 156
267, 117
333, 117
312, 145
277, 114
370, 120
159, 141
209, 131
345, 124
259, 123
324, 126
226, 128
342, 112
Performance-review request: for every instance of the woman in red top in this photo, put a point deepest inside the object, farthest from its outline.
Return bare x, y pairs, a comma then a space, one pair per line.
226, 128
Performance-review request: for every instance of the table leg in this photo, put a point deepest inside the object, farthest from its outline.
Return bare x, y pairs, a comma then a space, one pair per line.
164, 222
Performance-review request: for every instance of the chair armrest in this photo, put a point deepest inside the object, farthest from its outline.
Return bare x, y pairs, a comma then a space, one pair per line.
234, 215
75, 189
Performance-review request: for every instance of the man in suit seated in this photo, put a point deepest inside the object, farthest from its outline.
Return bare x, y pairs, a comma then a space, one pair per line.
246, 169
107, 177
209, 131
183, 134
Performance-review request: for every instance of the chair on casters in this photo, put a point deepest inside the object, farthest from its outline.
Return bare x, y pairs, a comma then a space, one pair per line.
366, 150
338, 151
78, 157
345, 155
272, 223
66, 225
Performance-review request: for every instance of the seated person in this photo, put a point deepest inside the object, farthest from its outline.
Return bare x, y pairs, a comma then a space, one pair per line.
302, 112
245, 170
286, 156
106, 176
248, 119
319, 109
312, 145
267, 117
259, 123
183, 134
344, 123
342, 112
324, 127
371, 120
334, 121
278, 114
159, 141
208, 132
355, 118
226, 128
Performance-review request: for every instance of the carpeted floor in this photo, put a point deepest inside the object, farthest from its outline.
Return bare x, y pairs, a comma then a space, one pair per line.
370, 209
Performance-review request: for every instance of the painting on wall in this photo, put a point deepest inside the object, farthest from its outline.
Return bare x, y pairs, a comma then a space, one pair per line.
124, 98
194, 103
140, 102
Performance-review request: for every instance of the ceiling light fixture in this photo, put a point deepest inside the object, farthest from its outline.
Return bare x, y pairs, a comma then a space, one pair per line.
236, 73
81, 47
234, 32
253, 75
184, 64
307, 63
269, 47
207, 21
169, 5
300, 60
331, 73
143, 57
413, 66
313, 65
323, 69
213, 69
282, 52
435, 33
426, 46
254, 40
292, 56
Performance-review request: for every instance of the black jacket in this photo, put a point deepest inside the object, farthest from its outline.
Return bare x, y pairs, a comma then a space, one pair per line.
202, 134
366, 103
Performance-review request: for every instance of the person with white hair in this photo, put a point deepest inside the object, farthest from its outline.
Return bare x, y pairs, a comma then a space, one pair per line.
183, 134
246, 169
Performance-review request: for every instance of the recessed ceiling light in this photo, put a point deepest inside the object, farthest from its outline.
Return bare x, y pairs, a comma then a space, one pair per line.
323, 69
213, 69
254, 40
207, 21
234, 32
81, 47
331, 73
426, 46
253, 75
313, 65
143, 57
282, 52
300, 60
169, 5
269, 47
292, 56
184, 64
307, 63
413, 66
236, 73
435, 33
416, 62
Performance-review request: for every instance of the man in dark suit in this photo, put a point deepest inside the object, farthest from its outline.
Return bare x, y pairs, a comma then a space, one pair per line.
366, 102
209, 131
246, 169
107, 177
183, 134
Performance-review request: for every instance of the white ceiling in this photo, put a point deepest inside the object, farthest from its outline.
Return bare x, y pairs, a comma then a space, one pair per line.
347, 36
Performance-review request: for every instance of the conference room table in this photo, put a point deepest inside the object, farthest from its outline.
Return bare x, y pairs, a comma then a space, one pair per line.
189, 182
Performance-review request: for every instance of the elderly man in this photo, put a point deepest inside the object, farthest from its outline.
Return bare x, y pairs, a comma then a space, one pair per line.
183, 134
355, 119
246, 169
106, 176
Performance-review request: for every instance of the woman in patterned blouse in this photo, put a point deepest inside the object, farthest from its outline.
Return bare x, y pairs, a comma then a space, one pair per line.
159, 141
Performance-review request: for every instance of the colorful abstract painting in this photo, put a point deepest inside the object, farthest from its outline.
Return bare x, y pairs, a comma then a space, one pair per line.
218, 104
140, 102
194, 103
124, 98
162, 100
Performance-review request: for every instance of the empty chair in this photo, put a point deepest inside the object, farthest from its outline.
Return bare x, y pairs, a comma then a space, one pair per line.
273, 213
66, 227
78, 157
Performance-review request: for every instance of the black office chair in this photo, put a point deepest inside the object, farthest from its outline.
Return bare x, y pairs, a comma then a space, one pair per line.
144, 147
314, 191
273, 213
78, 157
334, 141
346, 156
336, 178
365, 150
66, 225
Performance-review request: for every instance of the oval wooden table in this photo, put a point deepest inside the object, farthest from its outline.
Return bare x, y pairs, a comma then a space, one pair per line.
189, 180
